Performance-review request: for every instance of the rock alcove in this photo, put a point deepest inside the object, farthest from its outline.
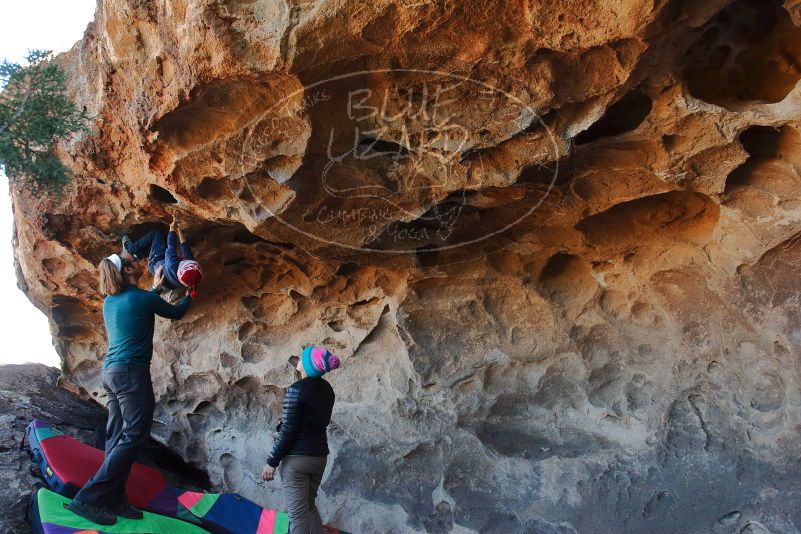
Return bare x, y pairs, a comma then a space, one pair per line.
555, 245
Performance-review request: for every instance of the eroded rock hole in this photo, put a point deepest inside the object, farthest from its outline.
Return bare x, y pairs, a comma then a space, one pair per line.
247, 329
214, 110
253, 352
347, 269
337, 326
234, 261
66, 308
623, 116
666, 217
247, 238
750, 52
428, 256
159, 194
246, 195
370, 145
773, 160
680, 10
384, 323
178, 471
366, 302
543, 175
761, 141
567, 278
213, 188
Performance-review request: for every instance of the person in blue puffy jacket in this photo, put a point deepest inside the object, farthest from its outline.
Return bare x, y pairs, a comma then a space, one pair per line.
301, 448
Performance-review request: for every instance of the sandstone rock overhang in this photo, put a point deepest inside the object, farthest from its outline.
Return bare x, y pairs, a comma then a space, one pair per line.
555, 245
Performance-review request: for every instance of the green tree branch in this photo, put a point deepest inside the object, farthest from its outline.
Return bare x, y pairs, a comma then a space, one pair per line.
34, 115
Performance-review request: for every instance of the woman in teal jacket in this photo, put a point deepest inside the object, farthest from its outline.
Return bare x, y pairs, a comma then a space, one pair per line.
129, 315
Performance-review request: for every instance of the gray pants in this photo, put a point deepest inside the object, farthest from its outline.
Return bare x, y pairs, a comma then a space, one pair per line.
301, 476
130, 416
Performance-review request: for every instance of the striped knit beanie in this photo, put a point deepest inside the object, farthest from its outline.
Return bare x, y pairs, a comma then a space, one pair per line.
317, 361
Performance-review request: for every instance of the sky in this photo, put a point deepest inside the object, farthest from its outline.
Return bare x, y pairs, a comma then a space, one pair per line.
52, 25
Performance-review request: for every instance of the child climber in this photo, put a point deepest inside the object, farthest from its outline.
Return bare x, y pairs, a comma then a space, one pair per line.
178, 272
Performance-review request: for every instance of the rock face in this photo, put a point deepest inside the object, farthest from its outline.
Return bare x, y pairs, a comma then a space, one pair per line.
556, 245
30, 392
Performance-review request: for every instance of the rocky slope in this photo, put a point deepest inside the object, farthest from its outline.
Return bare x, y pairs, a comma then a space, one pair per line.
555, 244
30, 391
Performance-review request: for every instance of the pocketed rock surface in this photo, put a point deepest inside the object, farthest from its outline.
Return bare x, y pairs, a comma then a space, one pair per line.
555, 244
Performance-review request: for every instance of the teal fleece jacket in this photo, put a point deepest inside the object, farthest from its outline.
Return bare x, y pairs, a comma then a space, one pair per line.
130, 317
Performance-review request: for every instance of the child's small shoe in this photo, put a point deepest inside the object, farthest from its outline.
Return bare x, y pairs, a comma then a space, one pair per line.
126, 242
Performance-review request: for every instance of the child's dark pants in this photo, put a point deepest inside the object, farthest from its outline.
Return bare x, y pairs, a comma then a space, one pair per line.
152, 246
161, 252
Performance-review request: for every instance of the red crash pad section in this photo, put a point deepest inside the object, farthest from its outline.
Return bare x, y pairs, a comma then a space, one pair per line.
75, 463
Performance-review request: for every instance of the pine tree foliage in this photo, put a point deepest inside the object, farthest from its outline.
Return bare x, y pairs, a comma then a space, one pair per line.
34, 115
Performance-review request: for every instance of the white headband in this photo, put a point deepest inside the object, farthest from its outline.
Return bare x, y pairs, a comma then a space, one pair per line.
116, 260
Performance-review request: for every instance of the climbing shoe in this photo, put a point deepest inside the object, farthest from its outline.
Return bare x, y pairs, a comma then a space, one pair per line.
126, 243
96, 514
127, 511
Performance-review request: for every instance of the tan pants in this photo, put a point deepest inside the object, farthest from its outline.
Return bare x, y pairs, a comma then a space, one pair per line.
300, 477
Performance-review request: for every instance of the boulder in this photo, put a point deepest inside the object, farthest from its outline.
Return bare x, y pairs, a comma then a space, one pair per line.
555, 245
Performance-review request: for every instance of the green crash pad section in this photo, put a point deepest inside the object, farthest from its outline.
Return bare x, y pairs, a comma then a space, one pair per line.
51, 510
205, 503
281, 523
47, 432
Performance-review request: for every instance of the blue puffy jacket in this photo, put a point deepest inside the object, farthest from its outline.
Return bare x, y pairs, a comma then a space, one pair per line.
308, 404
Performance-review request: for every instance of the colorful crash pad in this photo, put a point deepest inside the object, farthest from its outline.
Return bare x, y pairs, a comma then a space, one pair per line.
66, 464
48, 515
